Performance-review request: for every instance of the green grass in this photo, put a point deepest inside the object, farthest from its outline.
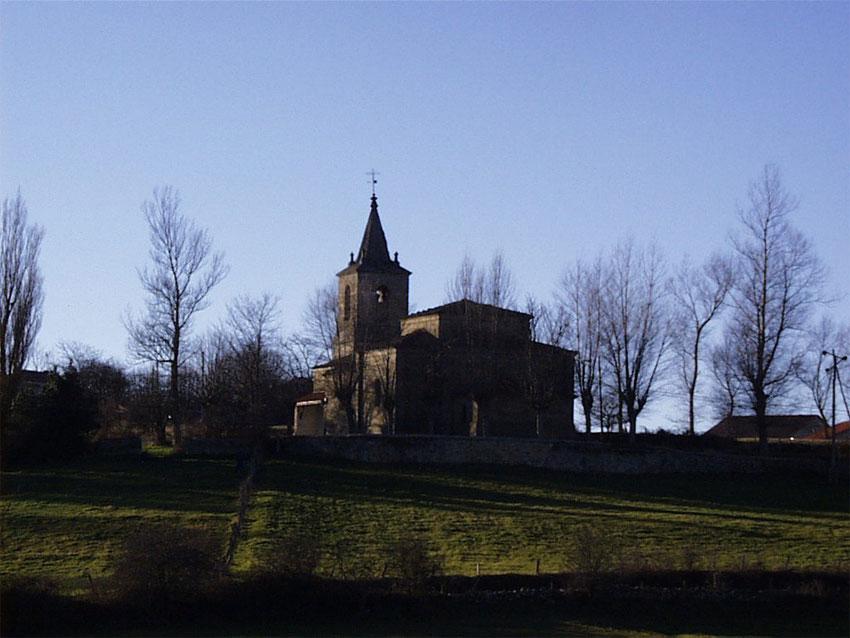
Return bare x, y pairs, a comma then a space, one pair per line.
61, 521
505, 519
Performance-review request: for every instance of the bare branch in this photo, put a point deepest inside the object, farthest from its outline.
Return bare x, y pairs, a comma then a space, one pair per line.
778, 285
182, 272
21, 296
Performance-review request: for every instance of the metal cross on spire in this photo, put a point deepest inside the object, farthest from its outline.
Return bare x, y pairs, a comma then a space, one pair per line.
372, 174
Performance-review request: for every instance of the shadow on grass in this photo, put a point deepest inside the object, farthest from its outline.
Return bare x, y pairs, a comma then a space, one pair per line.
670, 603
171, 483
510, 494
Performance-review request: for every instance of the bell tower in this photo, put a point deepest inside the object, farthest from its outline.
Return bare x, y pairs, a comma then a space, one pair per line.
373, 292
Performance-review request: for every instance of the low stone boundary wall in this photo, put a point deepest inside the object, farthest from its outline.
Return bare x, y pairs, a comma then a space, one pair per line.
568, 456
127, 445
217, 447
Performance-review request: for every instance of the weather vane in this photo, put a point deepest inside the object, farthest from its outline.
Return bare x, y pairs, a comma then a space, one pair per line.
372, 174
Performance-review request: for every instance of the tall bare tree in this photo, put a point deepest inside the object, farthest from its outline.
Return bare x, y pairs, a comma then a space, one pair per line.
543, 374
240, 372
500, 287
255, 345
778, 284
299, 356
493, 284
815, 371
726, 393
323, 330
636, 325
183, 271
580, 296
22, 295
467, 283
699, 293
321, 323
386, 388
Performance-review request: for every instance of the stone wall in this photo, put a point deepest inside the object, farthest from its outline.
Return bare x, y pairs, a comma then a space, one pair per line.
218, 447
568, 456
121, 446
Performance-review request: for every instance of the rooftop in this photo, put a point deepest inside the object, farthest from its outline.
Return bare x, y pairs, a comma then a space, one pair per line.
461, 305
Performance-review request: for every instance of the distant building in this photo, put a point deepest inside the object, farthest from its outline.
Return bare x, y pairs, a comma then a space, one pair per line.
842, 433
785, 427
463, 368
33, 382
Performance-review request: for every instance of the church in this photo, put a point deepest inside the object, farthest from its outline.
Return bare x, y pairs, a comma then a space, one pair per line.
463, 368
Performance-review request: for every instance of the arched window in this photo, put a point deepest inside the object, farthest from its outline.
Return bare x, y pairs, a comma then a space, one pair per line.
346, 304
382, 294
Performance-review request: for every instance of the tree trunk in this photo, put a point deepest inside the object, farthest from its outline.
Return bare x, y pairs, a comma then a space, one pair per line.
159, 432
761, 423
587, 406
174, 396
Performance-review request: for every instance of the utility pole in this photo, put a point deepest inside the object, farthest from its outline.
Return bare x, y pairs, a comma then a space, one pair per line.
833, 457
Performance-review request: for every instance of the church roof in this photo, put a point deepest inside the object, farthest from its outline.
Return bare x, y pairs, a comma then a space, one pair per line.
458, 306
374, 256
373, 248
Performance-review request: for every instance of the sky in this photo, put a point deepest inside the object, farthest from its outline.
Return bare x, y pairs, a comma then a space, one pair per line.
548, 131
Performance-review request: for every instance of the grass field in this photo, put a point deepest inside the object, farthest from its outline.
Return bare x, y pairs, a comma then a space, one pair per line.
504, 520
62, 521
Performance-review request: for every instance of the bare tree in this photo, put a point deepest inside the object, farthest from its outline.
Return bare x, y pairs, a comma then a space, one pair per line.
726, 394
183, 271
492, 285
699, 293
581, 301
323, 331
636, 325
240, 370
104, 380
252, 323
815, 371
500, 288
148, 403
215, 390
778, 283
299, 356
543, 377
467, 283
386, 382
22, 296
321, 323
255, 347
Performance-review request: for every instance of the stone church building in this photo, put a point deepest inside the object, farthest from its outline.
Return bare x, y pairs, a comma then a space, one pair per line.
463, 368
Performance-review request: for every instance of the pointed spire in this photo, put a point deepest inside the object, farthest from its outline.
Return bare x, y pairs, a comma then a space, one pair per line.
373, 248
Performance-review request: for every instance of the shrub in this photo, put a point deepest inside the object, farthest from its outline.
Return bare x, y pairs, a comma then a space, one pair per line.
27, 606
593, 552
163, 563
413, 563
298, 554
54, 423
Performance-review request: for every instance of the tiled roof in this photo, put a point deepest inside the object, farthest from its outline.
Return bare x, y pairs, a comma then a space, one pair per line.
842, 432
782, 426
311, 398
457, 306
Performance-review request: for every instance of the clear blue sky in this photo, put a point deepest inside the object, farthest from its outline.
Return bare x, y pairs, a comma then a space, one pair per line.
546, 130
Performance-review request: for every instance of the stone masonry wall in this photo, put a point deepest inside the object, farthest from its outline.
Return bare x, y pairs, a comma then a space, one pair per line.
568, 456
